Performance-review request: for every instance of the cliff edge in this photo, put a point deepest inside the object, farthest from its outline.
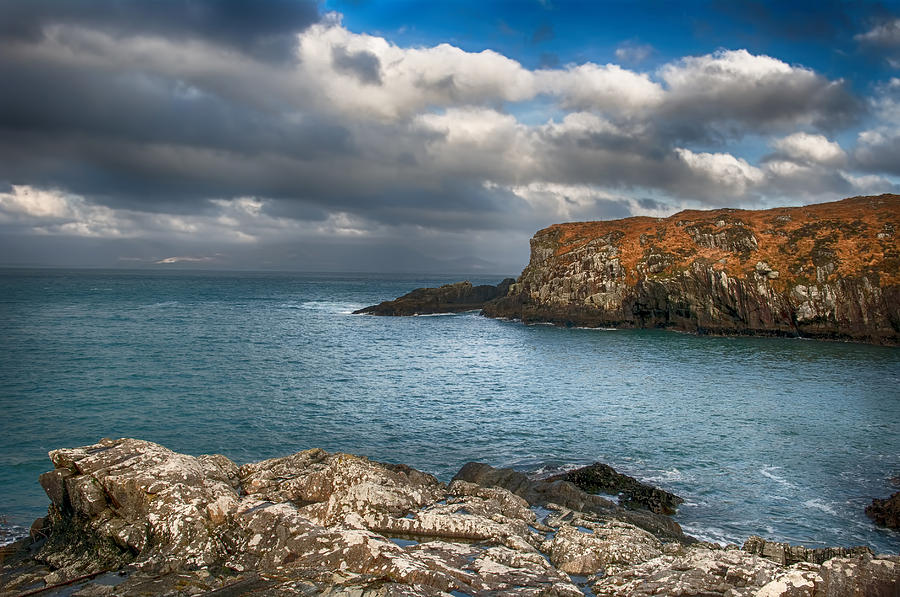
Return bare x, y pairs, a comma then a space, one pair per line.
829, 271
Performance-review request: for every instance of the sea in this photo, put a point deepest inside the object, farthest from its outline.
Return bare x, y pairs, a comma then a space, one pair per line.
788, 439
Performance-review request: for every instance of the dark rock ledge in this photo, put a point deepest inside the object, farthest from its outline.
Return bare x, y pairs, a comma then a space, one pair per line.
885, 513
449, 298
130, 517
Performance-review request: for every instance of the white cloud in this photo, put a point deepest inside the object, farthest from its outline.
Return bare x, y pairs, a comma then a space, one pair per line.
722, 169
870, 184
241, 220
886, 102
885, 34
477, 141
633, 53
411, 78
805, 147
591, 86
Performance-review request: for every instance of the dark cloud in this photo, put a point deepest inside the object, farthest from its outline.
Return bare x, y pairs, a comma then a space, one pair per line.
364, 65
651, 204
263, 29
775, 102
878, 154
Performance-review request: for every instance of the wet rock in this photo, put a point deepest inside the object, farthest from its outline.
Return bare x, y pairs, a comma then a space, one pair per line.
885, 513
602, 478
449, 298
540, 492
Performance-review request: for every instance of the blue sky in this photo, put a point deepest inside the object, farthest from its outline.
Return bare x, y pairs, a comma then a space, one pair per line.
421, 136
819, 35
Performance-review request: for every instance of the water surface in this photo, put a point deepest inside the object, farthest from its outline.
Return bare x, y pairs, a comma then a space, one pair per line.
788, 439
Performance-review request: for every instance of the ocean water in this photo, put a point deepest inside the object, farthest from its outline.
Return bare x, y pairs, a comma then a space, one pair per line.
788, 439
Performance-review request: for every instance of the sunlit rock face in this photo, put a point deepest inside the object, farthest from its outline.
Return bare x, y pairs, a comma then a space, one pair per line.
130, 517
830, 270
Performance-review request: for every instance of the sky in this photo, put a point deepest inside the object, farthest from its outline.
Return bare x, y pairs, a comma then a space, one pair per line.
426, 137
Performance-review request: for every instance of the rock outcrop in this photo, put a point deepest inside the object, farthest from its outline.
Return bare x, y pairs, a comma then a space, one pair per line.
830, 271
787, 554
449, 298
885, 513
561, 493
130, 517
602, 478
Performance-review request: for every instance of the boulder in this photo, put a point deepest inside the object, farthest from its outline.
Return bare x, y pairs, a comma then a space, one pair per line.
602, 478
540, 492
885, 513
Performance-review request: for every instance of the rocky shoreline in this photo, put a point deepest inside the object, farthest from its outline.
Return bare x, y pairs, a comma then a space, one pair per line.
129, 517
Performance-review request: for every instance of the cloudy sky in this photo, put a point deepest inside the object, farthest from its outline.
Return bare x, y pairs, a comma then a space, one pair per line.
421, 136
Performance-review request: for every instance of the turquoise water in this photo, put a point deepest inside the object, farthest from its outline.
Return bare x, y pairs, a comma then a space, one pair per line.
788, 439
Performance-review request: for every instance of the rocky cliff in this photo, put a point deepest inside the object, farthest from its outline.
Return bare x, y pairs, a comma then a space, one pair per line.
830, 270
130, 517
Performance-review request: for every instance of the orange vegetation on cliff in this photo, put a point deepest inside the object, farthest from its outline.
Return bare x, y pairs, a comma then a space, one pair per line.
855, 236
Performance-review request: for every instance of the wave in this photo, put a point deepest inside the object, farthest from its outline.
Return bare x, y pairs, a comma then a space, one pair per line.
11, 533
672, 475
332, 306
711, 534
820, 505
548, 470
767, 472
161, 305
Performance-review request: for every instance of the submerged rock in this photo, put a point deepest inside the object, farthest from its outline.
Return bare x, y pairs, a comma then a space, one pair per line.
449, 298
130, 517
885, 513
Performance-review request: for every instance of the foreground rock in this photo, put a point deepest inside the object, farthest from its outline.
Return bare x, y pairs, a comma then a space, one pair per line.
885, 513
449, 298
602, 478
830, 270
130, 517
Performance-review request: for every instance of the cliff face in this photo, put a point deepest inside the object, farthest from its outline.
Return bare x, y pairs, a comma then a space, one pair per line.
830, 270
